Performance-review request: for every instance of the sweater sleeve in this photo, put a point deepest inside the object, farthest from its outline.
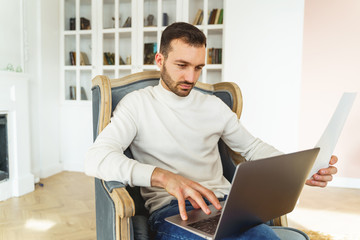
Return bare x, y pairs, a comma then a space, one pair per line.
240, 140
106, 159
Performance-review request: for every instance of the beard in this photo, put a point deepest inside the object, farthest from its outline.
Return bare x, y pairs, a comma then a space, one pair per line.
174, 86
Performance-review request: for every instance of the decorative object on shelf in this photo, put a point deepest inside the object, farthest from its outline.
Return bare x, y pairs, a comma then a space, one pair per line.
85, 24
72, 23
114, 21
150, 50
18, 69
198, 17
214, 56
127, 23
83, 94
150, 20
165, 19
9, 68
84, 59
121, 61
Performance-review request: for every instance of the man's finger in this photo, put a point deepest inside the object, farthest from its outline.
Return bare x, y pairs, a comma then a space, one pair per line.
323, 178
193, 203
182, 209
209, 195
328, 171
333, 159
197, 197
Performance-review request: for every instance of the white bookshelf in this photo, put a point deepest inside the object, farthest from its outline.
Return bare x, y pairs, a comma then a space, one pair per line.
108, 34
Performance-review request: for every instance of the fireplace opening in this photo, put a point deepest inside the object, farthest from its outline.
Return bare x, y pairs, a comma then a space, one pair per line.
4, 156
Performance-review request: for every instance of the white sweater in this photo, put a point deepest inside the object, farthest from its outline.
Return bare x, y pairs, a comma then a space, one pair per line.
179, 134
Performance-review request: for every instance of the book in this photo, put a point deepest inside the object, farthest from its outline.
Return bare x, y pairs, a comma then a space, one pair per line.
217, 16
221, 17
201, 18
72, 58
72, 92
197, 17
213, 16
150, 50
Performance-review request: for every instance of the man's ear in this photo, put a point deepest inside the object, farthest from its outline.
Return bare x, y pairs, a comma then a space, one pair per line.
159, 59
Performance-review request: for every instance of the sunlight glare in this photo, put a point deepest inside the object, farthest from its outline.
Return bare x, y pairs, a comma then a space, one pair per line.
39, 225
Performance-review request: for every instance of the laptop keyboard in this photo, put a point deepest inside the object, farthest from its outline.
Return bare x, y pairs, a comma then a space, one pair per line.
207, 225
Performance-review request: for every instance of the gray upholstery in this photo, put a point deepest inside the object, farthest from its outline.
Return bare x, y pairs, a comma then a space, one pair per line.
105, 210
289, 233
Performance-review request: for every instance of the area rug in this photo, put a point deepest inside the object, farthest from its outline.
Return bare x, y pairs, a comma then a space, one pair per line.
314, 235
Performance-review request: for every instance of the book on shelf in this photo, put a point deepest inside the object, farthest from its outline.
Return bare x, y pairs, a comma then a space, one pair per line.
198, 17
150, 50
214, 56
72, 58
72, 92
127, 23
216, 16
212, 16
221, 17
109, 58
83, 58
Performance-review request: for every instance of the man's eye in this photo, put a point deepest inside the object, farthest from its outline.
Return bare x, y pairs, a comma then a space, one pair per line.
181, 65
199, 68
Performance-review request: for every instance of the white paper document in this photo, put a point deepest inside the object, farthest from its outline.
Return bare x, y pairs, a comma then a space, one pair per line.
332, 132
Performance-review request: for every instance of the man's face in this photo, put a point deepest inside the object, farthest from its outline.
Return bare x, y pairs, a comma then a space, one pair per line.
182, 68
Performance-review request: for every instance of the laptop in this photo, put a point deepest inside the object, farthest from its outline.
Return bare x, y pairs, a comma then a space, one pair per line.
260, 191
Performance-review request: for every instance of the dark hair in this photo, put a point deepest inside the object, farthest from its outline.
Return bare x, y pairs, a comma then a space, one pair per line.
184, 31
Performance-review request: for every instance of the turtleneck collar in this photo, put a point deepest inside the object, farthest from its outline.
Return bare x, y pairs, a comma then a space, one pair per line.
170, 98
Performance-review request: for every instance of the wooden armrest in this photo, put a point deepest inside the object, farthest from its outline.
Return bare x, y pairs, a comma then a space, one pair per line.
124, 210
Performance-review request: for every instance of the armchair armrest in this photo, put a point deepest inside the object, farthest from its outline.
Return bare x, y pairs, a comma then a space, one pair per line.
124, 208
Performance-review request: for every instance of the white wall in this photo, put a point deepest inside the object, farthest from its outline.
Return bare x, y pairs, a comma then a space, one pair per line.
263, 43
41, 25
10, 33
331, 65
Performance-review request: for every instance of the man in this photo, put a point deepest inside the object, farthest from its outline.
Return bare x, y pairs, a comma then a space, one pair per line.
173, 134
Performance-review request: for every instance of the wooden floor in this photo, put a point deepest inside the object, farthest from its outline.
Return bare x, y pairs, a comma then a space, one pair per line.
64, 209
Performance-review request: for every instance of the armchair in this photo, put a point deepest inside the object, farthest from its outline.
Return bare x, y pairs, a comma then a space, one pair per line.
120, 211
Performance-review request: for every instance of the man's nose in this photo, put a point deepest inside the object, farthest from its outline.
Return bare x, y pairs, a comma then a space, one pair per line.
190, 76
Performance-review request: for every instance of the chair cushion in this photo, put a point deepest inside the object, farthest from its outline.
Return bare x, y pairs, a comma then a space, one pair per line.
288, 233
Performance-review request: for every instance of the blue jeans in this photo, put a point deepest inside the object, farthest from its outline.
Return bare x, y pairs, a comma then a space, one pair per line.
168, 231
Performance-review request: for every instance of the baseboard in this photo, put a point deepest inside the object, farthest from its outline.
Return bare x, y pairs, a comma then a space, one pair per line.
74, 166
345, 182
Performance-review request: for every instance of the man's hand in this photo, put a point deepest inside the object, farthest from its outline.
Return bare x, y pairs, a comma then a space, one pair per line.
324, 175
184, 189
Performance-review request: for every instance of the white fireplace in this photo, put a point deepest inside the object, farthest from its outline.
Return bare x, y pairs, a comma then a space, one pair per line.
14, 104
